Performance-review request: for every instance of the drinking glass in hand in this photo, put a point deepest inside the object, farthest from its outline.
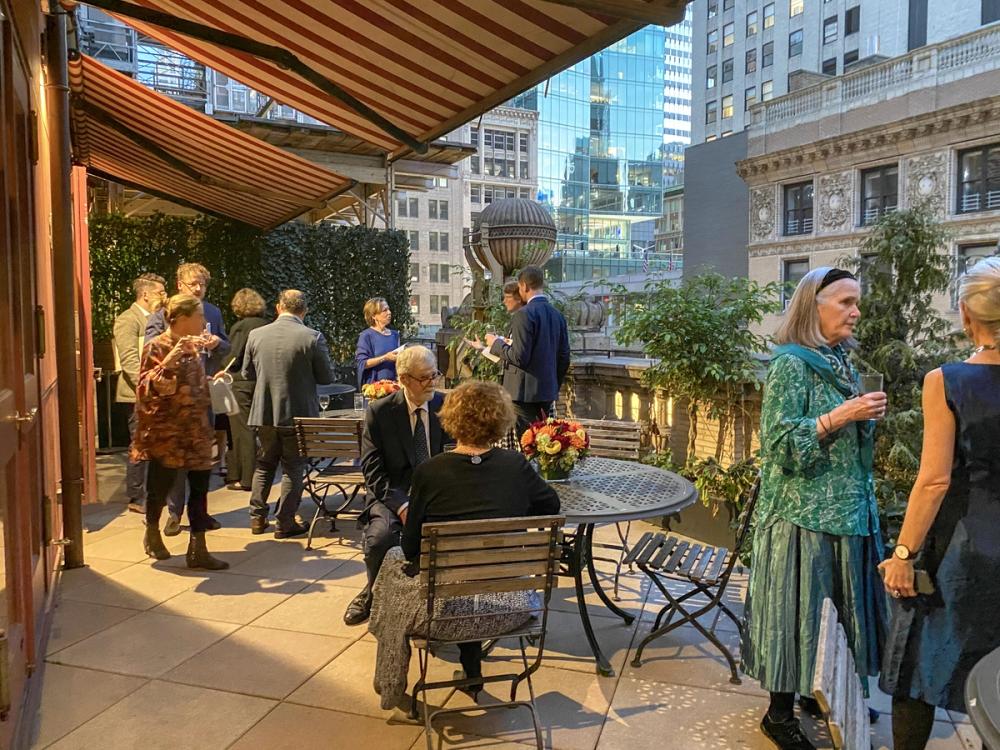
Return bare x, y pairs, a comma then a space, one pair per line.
324, 402
872, 382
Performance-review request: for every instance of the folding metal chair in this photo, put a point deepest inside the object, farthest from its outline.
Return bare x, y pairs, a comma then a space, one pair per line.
706, 568
465, 558
323, 442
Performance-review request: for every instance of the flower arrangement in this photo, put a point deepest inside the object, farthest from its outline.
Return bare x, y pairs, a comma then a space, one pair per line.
379, 389
556, 444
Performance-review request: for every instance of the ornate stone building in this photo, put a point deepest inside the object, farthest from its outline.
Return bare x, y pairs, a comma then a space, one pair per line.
825, 162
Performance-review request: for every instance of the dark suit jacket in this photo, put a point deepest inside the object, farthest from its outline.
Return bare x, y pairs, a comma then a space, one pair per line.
387, 457
288, 360
157, 324
537, 360
239, 334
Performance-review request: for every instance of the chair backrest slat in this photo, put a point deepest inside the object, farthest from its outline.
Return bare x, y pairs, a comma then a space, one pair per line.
489, 572
448, 590
488, 556
321, 437
488, 541
492, 526
614, 439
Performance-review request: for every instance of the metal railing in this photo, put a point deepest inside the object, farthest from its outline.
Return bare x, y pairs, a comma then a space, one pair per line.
109, 42
952, 60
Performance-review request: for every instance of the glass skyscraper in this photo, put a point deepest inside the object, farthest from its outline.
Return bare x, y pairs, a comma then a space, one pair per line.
601, 156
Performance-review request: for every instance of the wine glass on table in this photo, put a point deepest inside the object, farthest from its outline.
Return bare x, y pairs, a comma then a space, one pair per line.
324, 401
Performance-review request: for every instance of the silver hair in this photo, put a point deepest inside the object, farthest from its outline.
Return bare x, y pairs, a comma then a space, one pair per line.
979, 290
413, 356
801, 324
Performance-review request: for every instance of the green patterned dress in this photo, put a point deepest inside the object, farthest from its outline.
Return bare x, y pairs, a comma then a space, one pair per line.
817, 531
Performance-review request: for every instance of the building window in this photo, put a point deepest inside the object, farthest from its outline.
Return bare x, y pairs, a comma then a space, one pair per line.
414, 272
830, 30
476, 194
830, 66
798, 208
979, 179
769, 15
727, 106
713, 41
711, 75
751, 64
524, 193
432, 209
850, 57
728, 34
442, 209
967, 256
852, 20
795, 7
795, 43
711, 112
414, 240
751, 23
475, 165
523, 142
474, 136
434, 305
524, 169
443, 242
879, 191
766, 90
727, 70
767, 55
713, 8
432, 241
432, 273
415, 304
728, 4
792, 272
443, 272
749, 98
991, 11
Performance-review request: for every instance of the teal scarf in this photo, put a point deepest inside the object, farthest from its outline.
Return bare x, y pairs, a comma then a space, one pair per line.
845, 382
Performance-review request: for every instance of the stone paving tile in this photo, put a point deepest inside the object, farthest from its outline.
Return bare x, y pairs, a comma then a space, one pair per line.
136, 587
73, 621
168, 716
318, 608
95, 570
259, 661
147, 645
293, 727
231, 598
290, 560
72, 696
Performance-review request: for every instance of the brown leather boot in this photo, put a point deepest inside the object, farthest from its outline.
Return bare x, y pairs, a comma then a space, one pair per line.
198, 556
152, 542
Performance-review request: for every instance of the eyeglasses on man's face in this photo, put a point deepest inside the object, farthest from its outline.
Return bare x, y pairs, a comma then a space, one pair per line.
427, 379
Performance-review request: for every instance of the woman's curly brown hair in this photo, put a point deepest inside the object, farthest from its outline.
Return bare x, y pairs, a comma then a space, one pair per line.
247, 303
477, 413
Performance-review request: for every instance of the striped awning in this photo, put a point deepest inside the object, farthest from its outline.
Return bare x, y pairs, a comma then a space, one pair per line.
396, 73
128, 133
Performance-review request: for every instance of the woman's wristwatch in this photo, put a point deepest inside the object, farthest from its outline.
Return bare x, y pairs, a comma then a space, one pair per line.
902, 552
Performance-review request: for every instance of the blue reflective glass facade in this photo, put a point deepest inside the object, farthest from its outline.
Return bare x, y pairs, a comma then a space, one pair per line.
601, 156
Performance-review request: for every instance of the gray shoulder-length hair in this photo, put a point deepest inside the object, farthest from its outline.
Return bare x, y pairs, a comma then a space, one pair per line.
801, 323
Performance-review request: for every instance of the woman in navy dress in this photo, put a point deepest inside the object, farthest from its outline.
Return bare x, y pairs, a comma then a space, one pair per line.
951, 529
377, 344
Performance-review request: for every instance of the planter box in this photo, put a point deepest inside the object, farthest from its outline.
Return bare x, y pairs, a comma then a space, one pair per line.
698, 523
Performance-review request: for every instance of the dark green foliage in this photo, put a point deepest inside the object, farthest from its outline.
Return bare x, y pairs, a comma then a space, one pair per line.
338, 268
903, 336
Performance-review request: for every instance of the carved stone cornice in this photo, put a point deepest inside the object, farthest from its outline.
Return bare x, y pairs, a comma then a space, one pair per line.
897, 136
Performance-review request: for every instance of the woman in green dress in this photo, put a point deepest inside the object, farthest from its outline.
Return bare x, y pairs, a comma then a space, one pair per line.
817, 531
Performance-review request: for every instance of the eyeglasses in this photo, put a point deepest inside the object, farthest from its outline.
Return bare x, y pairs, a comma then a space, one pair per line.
427, 380
194, 284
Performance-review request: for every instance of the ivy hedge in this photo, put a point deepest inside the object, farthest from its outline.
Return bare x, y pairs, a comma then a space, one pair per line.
337, 267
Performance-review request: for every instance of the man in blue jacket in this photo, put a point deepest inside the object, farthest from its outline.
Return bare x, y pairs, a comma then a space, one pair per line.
192, 278
536, 360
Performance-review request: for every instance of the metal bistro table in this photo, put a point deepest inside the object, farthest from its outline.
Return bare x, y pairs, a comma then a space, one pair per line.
606, 490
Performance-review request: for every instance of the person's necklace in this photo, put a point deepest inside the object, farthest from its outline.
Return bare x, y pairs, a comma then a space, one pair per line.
984, 348
475, 454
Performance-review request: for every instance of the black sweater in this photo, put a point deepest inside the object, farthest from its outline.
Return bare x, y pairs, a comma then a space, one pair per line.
450, 487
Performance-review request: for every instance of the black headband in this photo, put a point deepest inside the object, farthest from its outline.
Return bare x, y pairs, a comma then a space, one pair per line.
833, 275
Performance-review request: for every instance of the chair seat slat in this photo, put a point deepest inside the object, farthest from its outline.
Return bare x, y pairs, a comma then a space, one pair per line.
717, 566
638, 547
689, 560
675, 557
698, 571
664, 553
650, 550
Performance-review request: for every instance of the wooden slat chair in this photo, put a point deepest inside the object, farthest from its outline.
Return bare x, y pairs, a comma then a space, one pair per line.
706, 568
837, 687
323, 442
621, 440
464, 558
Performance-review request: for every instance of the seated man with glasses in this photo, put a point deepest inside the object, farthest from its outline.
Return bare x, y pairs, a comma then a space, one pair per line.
401, 432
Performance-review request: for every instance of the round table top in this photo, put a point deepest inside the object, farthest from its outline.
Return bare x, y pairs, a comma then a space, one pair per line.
335, 389
982, 699
607, 490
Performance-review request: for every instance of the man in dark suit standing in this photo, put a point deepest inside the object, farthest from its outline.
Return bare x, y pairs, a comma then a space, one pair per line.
287, 360
401, 432
536, 360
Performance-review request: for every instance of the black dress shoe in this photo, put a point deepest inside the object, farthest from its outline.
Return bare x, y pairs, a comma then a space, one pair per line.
213, 524
359, 609
258, 525
786, 734
810, 706
296, 530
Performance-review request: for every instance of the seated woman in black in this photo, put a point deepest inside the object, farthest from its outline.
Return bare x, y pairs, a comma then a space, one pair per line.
474, 481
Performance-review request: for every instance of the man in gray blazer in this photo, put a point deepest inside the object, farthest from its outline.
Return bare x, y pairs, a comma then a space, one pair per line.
287, 360
130, 327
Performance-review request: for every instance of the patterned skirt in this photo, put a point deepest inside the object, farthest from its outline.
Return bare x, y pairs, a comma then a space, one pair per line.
793, 571
399, 610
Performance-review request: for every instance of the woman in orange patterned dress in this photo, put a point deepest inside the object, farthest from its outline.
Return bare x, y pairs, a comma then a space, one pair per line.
174, 431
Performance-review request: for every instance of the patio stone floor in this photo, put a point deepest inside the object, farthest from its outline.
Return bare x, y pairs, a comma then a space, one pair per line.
149, 655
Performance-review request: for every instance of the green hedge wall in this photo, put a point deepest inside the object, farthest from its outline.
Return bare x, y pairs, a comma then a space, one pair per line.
337, 267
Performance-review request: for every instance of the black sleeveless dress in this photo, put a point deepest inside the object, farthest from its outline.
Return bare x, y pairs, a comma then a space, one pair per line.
936, 640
